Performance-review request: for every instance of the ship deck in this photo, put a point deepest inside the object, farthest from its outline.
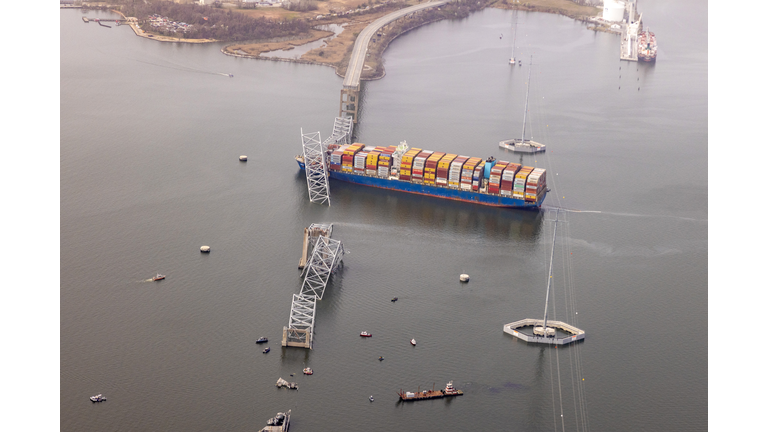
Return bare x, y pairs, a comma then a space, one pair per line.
429, 394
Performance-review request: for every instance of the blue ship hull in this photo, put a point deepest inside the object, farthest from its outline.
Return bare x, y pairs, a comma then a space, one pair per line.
435, 191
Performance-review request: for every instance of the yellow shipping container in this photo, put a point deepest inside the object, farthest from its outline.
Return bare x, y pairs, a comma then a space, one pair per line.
445, 162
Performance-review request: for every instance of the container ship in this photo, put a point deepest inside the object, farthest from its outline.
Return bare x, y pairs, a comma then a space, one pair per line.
443, 175
646, 46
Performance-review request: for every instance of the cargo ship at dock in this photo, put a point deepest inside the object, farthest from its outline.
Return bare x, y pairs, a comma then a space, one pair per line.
443, 175
646, 46
448, 391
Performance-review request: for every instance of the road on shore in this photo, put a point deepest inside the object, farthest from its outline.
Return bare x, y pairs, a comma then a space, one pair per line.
355, 68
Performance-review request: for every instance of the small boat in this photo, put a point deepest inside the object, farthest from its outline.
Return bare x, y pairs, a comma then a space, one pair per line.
308, 371
262, 340
365, 334
381, 358
158, 277
97, 398
394, 299
370, 398
266, 350
413, 342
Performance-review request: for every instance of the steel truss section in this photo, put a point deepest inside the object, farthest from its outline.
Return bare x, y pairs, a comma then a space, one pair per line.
326, 256
315, 168
342, 132
301, 322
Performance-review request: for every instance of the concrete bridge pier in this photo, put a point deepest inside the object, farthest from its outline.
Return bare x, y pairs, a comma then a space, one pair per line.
349, 102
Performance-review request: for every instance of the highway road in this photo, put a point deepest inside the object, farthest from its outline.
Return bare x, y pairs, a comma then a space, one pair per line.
355, 68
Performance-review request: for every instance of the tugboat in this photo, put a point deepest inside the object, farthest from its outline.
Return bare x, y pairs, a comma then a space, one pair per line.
451, 391
365, 334
262, 340
266, 350
158, 277
279, 423
308, 371
97, 398
413, 342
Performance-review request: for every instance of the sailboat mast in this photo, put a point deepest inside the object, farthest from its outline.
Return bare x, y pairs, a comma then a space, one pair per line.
549, 280
527, 91
514, 38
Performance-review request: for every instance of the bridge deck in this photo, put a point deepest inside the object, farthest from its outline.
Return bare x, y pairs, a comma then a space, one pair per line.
355, 68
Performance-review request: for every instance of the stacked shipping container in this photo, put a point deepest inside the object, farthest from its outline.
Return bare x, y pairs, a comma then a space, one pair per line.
518, 188
494, 181
417, 172
536, 184
335, 162
454, 175
372, 162
348, 158
430, 167
406, 164
385, 161
477, 177
441, 177
360, 162
467, 173
508, 178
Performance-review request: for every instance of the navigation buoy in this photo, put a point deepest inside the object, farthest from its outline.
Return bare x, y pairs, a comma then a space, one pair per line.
205, 249
464, 277
243, 158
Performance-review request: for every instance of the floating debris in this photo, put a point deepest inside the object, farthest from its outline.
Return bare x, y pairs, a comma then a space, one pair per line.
283, 383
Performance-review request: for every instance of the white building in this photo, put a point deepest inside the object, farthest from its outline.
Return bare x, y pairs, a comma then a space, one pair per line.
613, 10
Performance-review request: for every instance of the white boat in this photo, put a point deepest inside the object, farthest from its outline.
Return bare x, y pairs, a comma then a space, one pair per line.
158, 277
413, 342
523, 145
97, 398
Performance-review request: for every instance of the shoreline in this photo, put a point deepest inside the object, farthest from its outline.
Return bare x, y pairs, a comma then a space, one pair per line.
133, 23
377, 55
340, 65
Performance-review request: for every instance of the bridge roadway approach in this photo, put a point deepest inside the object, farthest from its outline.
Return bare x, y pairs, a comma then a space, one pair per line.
351, 90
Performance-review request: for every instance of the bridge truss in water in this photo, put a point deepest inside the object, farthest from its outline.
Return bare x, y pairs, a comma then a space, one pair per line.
326, 259
315, 152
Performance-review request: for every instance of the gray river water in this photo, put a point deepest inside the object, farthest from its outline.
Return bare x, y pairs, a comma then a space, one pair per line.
150, 138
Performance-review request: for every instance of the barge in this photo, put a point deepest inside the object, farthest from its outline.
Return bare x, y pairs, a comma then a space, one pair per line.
448, 391
443, 175
279, 423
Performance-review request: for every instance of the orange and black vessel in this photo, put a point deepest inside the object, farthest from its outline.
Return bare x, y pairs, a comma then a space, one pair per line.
448, 391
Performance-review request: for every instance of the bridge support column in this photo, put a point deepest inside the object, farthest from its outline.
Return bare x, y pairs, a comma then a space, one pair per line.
349, 103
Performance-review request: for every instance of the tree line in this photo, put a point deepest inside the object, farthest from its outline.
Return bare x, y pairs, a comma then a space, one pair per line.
210, 22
